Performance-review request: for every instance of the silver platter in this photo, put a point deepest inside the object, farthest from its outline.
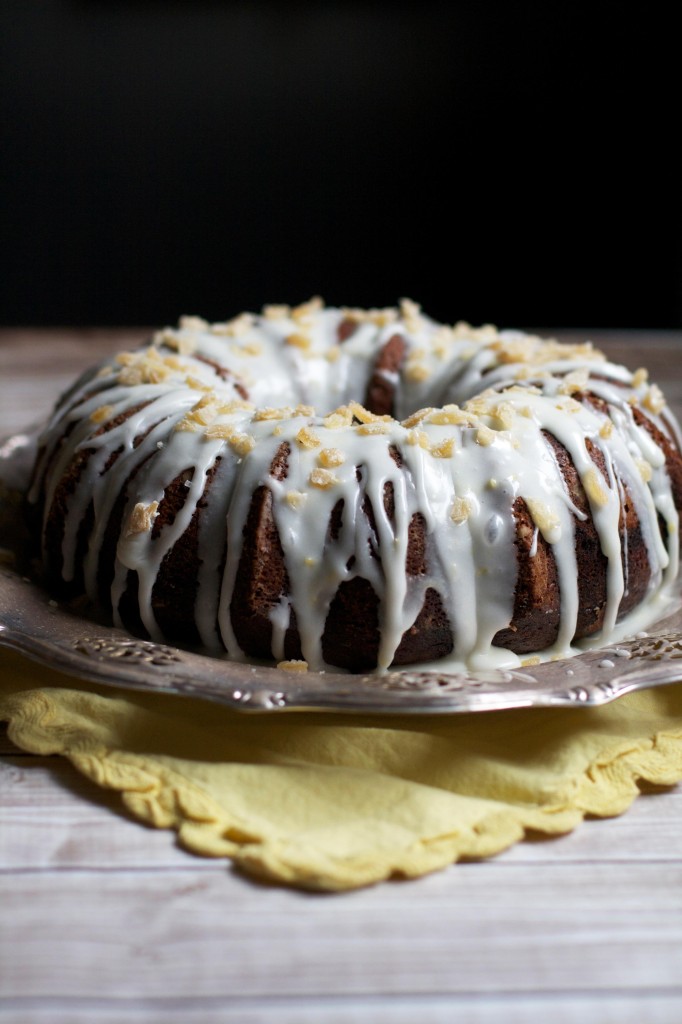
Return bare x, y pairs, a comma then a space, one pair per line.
66, 639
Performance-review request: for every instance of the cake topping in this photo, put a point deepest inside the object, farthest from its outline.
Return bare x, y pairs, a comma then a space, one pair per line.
299, 340
577, 380
654, 400
322, 478
103, 414
235, 328
376, 427
142, 518
460, 510
547, 521
330, 457
444, 450
306, 312
307, 438
594, 488
242, 444
296, 498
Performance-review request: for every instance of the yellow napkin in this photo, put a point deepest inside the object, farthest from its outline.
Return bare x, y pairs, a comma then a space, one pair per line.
334, 802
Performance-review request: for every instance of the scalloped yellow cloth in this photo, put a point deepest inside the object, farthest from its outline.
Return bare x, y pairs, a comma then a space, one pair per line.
333, 802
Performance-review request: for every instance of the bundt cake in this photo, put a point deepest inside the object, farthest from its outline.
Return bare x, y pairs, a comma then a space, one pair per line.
361, 489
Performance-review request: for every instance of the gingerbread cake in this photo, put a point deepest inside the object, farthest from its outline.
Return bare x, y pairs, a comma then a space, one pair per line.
361, 489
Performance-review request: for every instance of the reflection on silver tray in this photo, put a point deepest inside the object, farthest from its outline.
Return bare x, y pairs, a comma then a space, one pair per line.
66, 640
58, 637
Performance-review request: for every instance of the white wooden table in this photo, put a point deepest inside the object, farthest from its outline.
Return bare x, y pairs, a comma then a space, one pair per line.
105, 920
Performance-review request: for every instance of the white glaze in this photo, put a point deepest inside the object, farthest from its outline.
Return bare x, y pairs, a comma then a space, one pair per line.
288, 358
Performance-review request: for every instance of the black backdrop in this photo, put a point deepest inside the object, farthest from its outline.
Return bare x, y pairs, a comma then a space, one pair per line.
510, 163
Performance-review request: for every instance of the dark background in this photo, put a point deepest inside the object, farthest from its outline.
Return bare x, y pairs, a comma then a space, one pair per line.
514, 164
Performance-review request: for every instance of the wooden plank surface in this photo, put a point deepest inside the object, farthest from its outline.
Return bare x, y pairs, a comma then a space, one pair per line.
166, 933
106, 920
